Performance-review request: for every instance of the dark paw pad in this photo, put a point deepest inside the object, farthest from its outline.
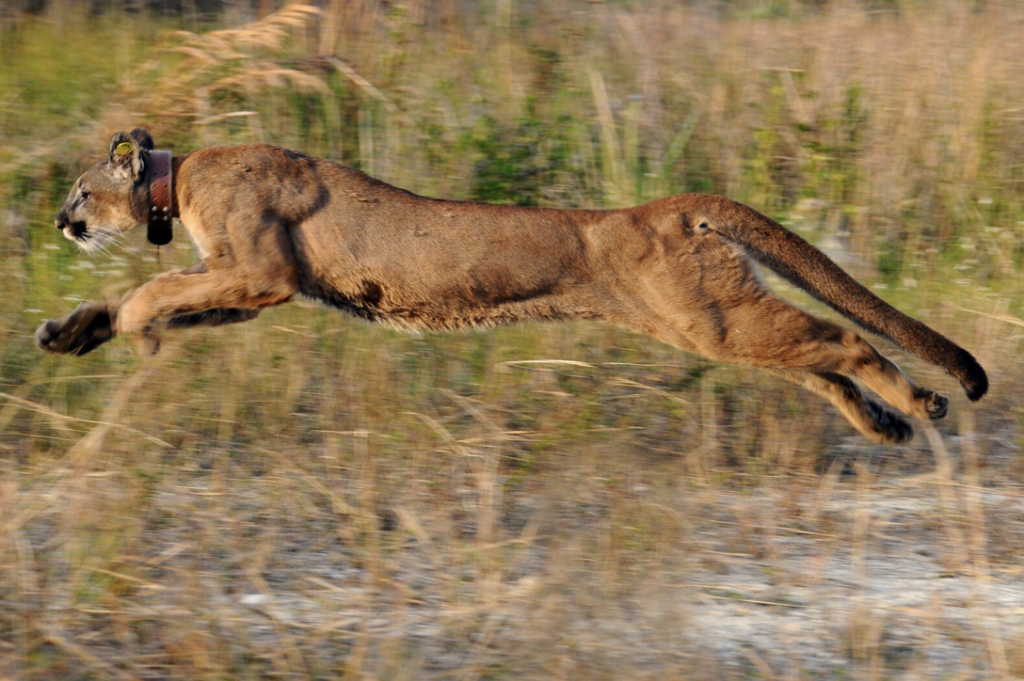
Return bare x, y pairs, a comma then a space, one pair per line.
936, 406
77, 333
889, 427
900, 429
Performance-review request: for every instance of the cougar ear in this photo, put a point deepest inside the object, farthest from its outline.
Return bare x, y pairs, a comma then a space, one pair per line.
142, 136
128, 156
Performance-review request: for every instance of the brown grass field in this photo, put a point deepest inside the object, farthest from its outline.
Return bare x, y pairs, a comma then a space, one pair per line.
310, 497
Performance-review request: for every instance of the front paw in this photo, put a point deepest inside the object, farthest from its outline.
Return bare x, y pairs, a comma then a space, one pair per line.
77, 333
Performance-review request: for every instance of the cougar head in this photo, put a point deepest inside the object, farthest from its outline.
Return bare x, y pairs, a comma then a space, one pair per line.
111, 197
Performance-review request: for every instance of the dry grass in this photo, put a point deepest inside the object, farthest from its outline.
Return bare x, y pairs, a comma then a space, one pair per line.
306, 496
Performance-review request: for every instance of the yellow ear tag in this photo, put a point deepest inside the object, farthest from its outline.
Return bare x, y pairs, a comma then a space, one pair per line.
123, 149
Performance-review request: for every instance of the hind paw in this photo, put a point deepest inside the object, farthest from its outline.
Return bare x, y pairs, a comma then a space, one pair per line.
937, 406
929, 404
888, 427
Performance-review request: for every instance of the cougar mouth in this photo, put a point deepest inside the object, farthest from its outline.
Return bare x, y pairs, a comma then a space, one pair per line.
75, 231
86, 240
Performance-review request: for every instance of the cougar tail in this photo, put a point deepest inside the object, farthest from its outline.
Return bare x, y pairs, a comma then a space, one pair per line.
805, 266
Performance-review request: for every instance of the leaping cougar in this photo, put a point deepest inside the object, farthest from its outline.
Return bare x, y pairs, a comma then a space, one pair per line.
269, 223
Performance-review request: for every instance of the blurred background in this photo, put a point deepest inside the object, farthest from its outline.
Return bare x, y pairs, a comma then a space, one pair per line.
309, 496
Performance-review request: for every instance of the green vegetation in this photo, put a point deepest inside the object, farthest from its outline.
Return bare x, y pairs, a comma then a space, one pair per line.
307, 496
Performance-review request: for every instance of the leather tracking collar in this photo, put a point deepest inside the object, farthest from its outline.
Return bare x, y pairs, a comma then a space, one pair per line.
161, 198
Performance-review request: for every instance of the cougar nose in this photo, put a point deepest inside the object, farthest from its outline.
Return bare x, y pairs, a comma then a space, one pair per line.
60, 219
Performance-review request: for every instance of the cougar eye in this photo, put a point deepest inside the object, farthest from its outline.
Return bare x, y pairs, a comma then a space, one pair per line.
85, 194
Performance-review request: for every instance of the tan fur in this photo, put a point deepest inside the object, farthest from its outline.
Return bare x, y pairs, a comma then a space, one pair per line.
270, 223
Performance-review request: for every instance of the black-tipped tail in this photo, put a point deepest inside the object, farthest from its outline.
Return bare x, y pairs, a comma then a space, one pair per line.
972, 376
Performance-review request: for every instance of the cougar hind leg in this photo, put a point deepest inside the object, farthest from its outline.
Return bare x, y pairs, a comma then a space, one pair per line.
793, 340
870, 418
882, 375
760, 330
